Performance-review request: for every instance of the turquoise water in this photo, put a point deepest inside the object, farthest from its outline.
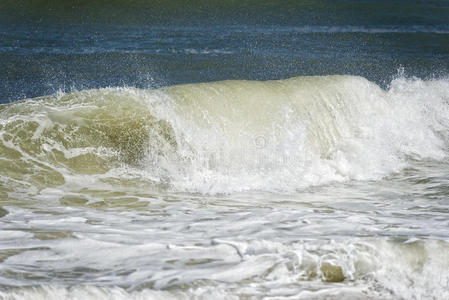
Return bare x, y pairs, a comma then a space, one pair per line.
224, 150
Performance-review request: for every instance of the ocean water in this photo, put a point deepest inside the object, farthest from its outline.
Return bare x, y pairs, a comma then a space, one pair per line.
224, 149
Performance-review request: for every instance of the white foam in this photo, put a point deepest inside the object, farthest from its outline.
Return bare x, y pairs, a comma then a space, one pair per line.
304, 269
236, 136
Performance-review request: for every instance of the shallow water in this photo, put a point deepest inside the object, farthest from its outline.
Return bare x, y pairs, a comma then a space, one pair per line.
130, 170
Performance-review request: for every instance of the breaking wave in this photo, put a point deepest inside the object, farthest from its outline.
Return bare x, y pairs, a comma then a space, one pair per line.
226, 136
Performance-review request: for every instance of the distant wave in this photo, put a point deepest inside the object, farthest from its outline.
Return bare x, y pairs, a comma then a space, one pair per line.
151, 38
310, 29
373, 29
102, 49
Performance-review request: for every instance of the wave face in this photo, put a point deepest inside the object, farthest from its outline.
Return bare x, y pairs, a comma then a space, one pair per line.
225, 136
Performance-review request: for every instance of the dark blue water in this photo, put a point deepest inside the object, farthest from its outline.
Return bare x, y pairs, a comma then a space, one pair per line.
48, 46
